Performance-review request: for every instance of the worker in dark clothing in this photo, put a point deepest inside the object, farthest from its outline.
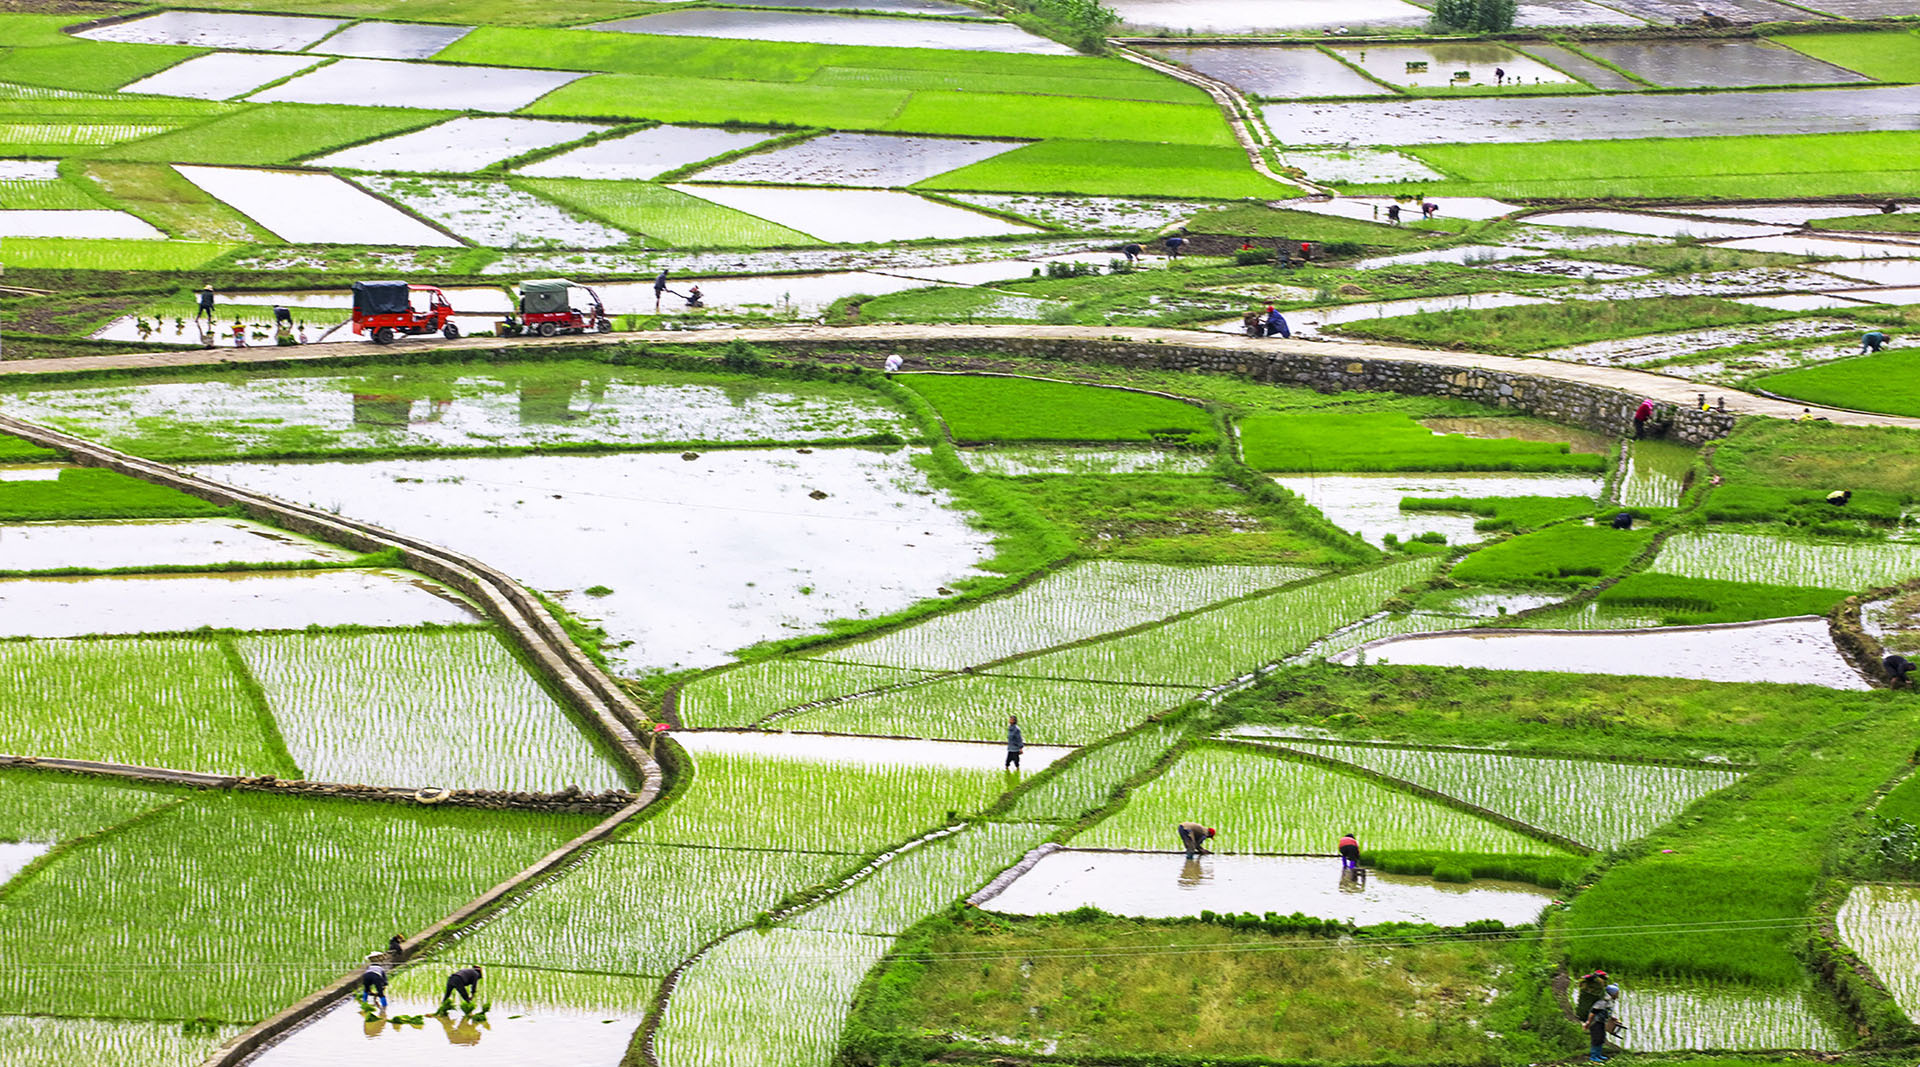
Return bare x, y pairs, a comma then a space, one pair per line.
1599, 1023
1623, 520
1193, 837
659, 289
1173, 246
373, 983
1393, 214
1898, 667
1014, 742
1277, 324
205, 305
1839, 497
1591, 987
1873, 341
1640, 416
395, 949
464, 981
1349, 852
1132, 252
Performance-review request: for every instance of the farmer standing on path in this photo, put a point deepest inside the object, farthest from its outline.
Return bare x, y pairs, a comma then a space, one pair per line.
659, 289
1640, 416
206, 305
1597, 1023
1874, 341
1173, 246
373, 983
1014, 742
464, 981
1194, 837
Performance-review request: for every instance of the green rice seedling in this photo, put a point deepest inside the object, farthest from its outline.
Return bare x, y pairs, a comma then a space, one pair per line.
16, 450
976, 707
995, 114
1081, 601
1095, 167
1506, 512
45, 1041
758, 802
644, 908
45, 196
925, 879
156, 703
97, 66
1881, 382
1390, 441
1260, 803
1532, 327
1600, 804
1668, 1017
83, 253
1799, 507
1882, 924
1558, 555
47, 808
1655, 474
720, 101
796, 986
978, 409
1188, 520
1377, 628
1678, 601
452, 709
667, 216
96, 493
159, 194
1014, 461
1888, 56
1761, 558
1091, 778
1223, 643
213, 887
1820, 455
1903, 801
743, 695
275, 133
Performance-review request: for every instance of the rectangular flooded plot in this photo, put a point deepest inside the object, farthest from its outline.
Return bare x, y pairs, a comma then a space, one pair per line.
1714, 64
218, 29
1877, 271
1790, 651
1168, 886
380, 709
1668, 1017
495, 214
391, 40
1801, 301
1079, 213
1670, 12
646, 154
371, 82
739, 546
1532, 13
313, 208
85, 223
891, 7
1807, 244
1651, 225
854, 216
976, 708
1598, 75
1438, 65
781, 296
811, 28
869, 159
1273, 70
1258, 16
459, 146
1368, 166
516, 1033
864, 751
1014, 461
220, 75
174, 603
1524, 119
164, 542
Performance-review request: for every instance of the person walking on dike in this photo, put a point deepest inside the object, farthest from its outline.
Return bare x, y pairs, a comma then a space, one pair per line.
1194, 838
659, 289
1873, 341
1014, 742
1349, 852
1588, 991
464, 982
1277, 323
1640, 416
1599, 1024
373, 983
205, 305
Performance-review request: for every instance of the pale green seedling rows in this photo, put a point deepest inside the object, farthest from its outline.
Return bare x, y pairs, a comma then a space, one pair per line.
1089, 781
976, 707
1761, 558
925, 879
42, 1041
795, 984
1882, 924
1667, 1018
746, 694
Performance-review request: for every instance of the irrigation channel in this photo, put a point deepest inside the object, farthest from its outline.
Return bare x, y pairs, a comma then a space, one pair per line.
759, 875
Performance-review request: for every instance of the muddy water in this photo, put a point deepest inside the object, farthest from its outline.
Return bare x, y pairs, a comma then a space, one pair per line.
779, 295
1312, 320
1456, 254
1369, 504
866, 751
902, 7
1651, 225
1523, 429
1437, 65
863, 159
1727, 283
840, 29
647, 154
1256, 16
1784, 214
514, 1035
41, 472
1877, 271
75, 223
15, 855
1658, 348
1788, 651
493, 214
1362, 165
1374, 208
1506, 119
1710, 64
701, 556
43, 546
1597, 75
391, 40
29, 170
1909, 295
459, 146
313, 208
1281, 71
1799, 302
221, 75
1089, 212
1016, 461
74, 607
209, 29
1667, 12
1835, 247
374, 82
854, 216
1166, 885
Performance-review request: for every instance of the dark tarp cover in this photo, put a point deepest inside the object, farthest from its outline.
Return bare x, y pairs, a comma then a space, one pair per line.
544, 296
381, 298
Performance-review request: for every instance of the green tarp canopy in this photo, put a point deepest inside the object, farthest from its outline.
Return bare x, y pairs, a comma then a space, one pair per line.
544, 295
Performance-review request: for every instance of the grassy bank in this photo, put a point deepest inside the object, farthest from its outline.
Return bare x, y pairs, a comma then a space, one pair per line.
1532, 327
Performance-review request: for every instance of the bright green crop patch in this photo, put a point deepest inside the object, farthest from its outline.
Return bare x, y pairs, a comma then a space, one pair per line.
158, 193
1902, 223
1821, 456
1532, 327
1696, 601
1883, 382
1743, 502
48, 808
82, 253
262, 898
1903, 801
978, 409
1778, 166
173, 703
721, 102
46, 196
1387, 441
668, 216
275, 133
991, 114
15, 450
1506, 512
1101, 167
1166, 90
1558, 555
1892, 56
97, 66
92, 493
1258, 220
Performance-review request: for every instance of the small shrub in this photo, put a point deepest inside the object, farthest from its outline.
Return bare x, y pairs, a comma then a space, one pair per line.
739, 355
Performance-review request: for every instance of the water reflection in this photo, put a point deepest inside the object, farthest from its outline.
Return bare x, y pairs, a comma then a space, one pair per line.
1192, 874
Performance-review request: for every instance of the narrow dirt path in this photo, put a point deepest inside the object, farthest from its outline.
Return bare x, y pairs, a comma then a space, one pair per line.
873, 341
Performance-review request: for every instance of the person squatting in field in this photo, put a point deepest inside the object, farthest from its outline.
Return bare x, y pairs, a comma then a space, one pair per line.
1349, 852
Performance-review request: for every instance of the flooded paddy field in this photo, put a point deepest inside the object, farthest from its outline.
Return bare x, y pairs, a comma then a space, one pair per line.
1709, 64
1671, 1017
318, 208
218, 29
221, 76
1279, 71
857, 159
495, 214
463, 144
391, 40
170, 603
1165, 885
1440, 65
515, 1033
1882, 924
855, 215
84, 223
45, 546
871, 30
646, 154
372, 82
1368, 505
1254, 17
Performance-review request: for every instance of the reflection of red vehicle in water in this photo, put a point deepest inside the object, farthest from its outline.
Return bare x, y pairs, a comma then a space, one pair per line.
546, 308
387, 308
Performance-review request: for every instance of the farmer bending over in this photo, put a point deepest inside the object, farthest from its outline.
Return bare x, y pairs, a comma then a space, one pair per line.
1193, 837
1898, 667
464, 981
1873, 341
373, 983
1349, 852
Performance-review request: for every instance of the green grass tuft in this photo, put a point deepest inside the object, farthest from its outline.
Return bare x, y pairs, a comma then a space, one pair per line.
1558, 555
1532, 327
275, 133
